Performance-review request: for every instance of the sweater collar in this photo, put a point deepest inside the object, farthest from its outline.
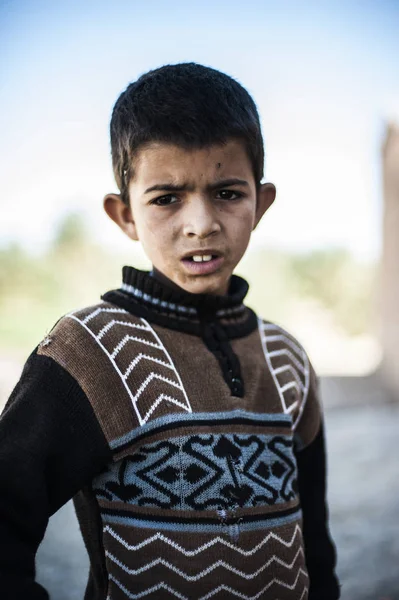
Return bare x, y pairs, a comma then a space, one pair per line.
145, 295
150, 290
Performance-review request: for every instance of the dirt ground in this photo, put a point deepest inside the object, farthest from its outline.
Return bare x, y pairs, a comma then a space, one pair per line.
364, 500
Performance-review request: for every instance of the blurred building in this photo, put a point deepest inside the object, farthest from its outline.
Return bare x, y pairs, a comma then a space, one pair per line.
390, 263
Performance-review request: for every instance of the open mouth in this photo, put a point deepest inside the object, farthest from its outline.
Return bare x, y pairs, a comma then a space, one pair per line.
201, 258
202, 264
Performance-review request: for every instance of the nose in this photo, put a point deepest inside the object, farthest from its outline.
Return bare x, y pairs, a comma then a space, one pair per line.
200, 219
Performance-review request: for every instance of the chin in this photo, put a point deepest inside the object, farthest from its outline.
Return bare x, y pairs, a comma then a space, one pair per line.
217, 288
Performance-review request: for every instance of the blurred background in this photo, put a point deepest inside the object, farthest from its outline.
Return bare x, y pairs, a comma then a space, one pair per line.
324, 263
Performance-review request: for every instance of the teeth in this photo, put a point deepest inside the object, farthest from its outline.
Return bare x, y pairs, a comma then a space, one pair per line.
199, 258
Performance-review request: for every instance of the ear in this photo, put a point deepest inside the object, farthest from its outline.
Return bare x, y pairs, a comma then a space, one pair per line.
121, 214
264, 199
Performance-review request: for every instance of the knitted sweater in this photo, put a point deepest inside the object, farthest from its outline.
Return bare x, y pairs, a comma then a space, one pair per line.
189, 433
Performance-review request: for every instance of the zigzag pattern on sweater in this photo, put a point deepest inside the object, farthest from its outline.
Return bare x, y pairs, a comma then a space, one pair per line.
217, 564
134, 335
178, 560
221, 588
289, 366
270, 537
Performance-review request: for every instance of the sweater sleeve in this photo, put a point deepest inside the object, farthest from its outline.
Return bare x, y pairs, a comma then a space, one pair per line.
51, 445
320, 551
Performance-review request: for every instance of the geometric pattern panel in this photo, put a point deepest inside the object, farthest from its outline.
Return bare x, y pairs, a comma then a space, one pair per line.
138, 357
204, 472
289, 366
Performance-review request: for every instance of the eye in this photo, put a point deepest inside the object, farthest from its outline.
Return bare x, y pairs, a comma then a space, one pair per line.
165, 200
229, 194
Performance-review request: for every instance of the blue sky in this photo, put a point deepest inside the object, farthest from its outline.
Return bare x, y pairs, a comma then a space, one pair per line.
324, 75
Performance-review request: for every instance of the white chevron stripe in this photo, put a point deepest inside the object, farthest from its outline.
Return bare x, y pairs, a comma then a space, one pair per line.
124, 341
271, 327
142, 356
293, 372
188, 405
291, 408
158, 345
98, 311
269, 364
299, 367
158, 401
285, 352
109, 326
306, 390
155, 588
207, 545
286, 340
150, 377
288, 386
71, 316
209, 569
258, 595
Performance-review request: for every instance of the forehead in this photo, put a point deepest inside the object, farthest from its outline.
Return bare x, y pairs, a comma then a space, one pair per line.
169, 162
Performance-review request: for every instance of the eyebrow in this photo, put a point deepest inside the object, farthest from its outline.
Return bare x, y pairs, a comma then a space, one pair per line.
185, 187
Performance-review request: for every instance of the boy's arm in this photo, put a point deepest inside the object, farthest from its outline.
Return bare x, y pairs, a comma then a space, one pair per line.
311, 462
50, 446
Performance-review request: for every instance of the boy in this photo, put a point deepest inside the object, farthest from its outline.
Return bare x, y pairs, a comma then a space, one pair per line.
187, 430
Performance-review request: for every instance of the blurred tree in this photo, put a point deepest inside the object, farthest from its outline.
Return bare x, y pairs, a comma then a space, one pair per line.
71, 233
36, 290
340, 284
331, 277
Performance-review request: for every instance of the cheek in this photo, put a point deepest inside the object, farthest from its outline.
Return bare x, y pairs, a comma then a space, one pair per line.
156, 236
243, 223
152, 227
240, 233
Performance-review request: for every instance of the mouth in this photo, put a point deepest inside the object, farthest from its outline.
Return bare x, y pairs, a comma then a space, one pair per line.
203, 262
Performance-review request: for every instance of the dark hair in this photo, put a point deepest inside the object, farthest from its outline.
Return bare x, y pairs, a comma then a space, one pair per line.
186, 104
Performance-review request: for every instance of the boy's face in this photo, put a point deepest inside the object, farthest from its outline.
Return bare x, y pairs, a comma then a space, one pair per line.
186, 203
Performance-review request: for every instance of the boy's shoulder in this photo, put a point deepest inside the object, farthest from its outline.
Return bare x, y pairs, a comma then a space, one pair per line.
90, 344
281, 342
291, 369
92, 336
95, 321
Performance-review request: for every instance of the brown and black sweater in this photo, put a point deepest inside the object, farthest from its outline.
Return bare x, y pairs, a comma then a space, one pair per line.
189, 433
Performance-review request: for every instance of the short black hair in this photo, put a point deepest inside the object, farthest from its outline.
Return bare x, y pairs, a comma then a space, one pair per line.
188, 105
